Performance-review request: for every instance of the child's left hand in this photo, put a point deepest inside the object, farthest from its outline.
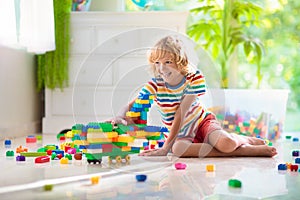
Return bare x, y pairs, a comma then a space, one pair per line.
154, 152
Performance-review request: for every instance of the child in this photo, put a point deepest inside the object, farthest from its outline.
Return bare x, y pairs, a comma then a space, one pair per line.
193, 130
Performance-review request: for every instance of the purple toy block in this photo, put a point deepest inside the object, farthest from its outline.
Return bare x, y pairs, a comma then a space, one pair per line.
20, 158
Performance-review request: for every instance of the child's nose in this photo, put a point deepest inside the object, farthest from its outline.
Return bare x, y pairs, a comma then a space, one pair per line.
162, 66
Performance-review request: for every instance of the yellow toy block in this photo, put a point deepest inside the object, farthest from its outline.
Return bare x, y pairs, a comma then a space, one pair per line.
126, 139
127, 148
80, 142
99, 140
231, 126
64, 161
95, 180
142, 101
133, 114
69, 134
210, 168
102, 135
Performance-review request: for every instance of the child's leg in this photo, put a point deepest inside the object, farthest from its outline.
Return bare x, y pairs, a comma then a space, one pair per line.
228, 142
185, 148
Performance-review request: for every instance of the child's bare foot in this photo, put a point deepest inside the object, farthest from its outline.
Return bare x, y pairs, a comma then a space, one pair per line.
257, 150
255, 141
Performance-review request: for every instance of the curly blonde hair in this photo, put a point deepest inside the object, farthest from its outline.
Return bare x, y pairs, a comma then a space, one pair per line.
169, 45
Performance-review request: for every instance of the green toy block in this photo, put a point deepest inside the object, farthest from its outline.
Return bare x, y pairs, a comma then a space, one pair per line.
106, 127
10, 153
33, 154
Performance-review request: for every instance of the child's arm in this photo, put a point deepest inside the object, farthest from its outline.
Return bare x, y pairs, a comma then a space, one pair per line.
176, 125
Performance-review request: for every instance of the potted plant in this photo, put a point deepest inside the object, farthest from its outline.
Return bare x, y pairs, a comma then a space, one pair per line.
221, 26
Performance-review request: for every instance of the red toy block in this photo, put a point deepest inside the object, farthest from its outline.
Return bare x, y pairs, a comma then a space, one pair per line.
59, 156
31, 139
49, 152
42, 159
294, 168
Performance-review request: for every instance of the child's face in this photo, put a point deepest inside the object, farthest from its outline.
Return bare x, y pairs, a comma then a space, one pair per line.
168, 70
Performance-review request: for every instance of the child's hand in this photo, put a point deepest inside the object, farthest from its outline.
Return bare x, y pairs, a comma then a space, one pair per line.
121, 120
154, 152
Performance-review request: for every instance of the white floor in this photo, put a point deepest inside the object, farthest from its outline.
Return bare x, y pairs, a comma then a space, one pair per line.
259, 176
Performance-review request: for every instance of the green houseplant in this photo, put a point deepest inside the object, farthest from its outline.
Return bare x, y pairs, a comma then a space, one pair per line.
52, 67
221, 26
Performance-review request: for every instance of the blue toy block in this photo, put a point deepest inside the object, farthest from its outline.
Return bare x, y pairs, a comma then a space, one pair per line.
94, 146
282, 167
59, 152
297, 160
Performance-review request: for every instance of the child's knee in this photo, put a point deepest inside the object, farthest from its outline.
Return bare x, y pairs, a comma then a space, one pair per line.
226, 144
179, 147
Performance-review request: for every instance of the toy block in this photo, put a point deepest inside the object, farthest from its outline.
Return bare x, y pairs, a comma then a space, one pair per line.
288, 165
21, 149
294, 168
10, 153
210, 168
80, 142
126, 148
282, 167
99, 140
297, 160
51, 147
64, 161
30, 139
141, 177
71, 151
295, 139
78, 156
42, 159
69, 156
95, 180
180, 166
94, 151
107, 147
102, 135
7, 142
20, 158
59, 152
106, 127
48, 187
132, 114
295, 153
33, 154
235, 183
126, 139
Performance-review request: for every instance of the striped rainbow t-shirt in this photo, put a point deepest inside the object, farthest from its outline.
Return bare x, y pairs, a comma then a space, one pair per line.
168, 99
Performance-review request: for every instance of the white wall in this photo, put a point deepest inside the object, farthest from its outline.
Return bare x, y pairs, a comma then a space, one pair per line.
20, 103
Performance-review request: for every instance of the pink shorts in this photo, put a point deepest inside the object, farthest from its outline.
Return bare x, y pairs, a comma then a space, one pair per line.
208, 125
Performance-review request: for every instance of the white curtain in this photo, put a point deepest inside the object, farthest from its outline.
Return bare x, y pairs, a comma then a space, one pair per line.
8, 34
35, 30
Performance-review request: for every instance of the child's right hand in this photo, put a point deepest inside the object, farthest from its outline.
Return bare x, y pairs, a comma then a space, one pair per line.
121, 120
